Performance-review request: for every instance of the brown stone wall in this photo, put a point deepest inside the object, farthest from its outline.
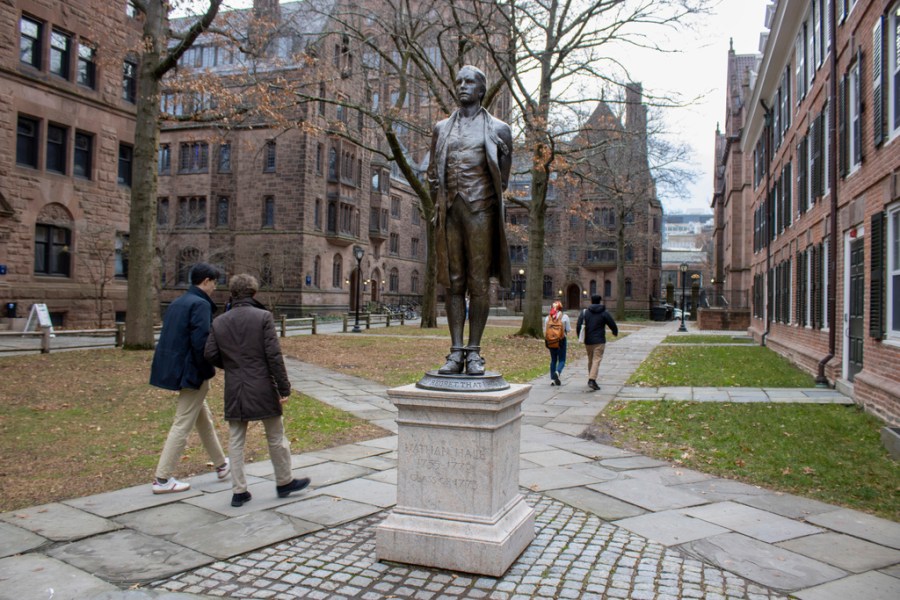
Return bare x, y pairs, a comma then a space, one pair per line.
91, 209
723, 319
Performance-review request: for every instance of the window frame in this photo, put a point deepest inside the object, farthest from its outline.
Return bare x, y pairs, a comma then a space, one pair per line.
125, 171
53, 250
86, 66
35, 42
60, 149
893, 71
129, 81
892, 271
268, 212
270, 154
83, 157
63, 55
31, 161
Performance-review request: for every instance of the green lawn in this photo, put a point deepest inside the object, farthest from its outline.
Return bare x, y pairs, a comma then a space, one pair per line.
705, 339
827, 452
718, 366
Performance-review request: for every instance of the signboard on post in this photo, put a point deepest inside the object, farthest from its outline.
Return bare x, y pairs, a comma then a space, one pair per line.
39, 317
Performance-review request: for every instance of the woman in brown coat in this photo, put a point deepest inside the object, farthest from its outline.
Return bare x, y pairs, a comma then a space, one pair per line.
244, 343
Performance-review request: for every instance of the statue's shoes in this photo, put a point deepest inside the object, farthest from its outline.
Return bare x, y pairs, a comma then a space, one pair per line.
454, 364
474, 364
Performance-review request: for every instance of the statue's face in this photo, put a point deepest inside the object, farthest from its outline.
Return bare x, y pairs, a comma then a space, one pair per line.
469, 88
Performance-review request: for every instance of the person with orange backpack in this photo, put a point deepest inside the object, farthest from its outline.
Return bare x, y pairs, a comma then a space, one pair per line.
556, 328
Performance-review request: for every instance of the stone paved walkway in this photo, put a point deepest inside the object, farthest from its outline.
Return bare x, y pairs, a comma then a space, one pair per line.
610, 523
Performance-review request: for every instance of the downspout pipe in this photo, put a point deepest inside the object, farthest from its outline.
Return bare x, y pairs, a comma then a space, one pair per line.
821, 379
768, 152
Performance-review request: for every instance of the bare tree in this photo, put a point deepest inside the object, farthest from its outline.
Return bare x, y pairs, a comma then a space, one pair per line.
545, 50
159, 52
100, 248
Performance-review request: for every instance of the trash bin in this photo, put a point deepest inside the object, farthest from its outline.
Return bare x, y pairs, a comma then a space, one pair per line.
657, 313
11, 310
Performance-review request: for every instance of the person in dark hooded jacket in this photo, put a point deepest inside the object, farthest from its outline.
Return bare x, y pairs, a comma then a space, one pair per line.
595, 320
244, 343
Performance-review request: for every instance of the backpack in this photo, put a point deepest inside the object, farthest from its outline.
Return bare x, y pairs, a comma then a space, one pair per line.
555, 332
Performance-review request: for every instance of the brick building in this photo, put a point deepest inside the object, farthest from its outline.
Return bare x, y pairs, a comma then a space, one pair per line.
582, 221
289, 204
67, 121
822, 124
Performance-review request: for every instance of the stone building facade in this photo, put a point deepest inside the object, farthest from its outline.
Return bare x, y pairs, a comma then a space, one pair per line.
822, 127
290, 204
67, 121
582, 221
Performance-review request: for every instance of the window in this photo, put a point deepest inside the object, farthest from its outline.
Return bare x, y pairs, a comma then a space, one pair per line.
332, 164
628, 288
268, 217
893, 272
893, 47
224, 165
27, 142
322, 99
164, 159
320, 157
607, 288
131, 10
84, 145
60, 53
394, 280
395, 207
317, 271
547, 287
121, 263
416, 217
87, 65
222, 207
126, 155
317, 217
51, 250
193, 157
414, 247
187, 258
414, 282
854, 124
337, 278
30, 41
395, 244
191, 212
269, 157
129, 81
162, 212
57, 138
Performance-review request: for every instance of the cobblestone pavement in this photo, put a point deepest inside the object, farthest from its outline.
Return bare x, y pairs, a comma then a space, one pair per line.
575, 555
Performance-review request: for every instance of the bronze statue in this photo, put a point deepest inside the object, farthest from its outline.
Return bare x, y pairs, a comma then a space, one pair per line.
468, 173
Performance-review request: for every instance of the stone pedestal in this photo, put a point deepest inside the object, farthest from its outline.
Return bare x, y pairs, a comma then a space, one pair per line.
458, 501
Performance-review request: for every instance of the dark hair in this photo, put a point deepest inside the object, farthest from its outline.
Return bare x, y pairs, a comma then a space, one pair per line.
596, 299
202, 271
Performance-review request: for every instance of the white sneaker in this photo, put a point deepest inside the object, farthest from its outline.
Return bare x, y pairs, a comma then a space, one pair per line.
223, 471
171, 486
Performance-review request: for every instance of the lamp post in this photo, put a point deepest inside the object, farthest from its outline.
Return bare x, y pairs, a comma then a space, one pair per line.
521, 288
683, 268
358, 253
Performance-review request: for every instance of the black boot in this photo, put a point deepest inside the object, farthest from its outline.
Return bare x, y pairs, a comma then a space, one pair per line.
474, 363
593, 385
454, 364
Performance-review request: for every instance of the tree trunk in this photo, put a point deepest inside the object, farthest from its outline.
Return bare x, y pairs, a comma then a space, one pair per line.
142, 222
532, 322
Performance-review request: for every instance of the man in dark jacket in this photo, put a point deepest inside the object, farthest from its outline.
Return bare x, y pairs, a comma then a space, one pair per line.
595, 319
178, 365
243, 342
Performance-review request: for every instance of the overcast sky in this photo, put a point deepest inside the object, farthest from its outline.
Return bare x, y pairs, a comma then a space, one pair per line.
701, 69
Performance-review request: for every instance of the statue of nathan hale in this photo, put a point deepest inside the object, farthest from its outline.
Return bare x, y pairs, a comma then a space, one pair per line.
468, 173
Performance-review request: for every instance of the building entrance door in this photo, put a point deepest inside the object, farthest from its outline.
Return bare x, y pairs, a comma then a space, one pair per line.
855, 309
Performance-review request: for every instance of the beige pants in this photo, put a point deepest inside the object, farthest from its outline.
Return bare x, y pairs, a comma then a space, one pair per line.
191, 411
279, 452
595, 355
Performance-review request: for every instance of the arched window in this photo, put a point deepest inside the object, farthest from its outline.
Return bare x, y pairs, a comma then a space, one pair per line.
547, 289
628, 288
394, 283
414, 282
607, 288
593, 287
337, 270
317, 272
186, 259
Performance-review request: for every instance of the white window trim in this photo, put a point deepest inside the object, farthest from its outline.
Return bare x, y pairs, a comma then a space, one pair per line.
893, 269
852, 86
892, 68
